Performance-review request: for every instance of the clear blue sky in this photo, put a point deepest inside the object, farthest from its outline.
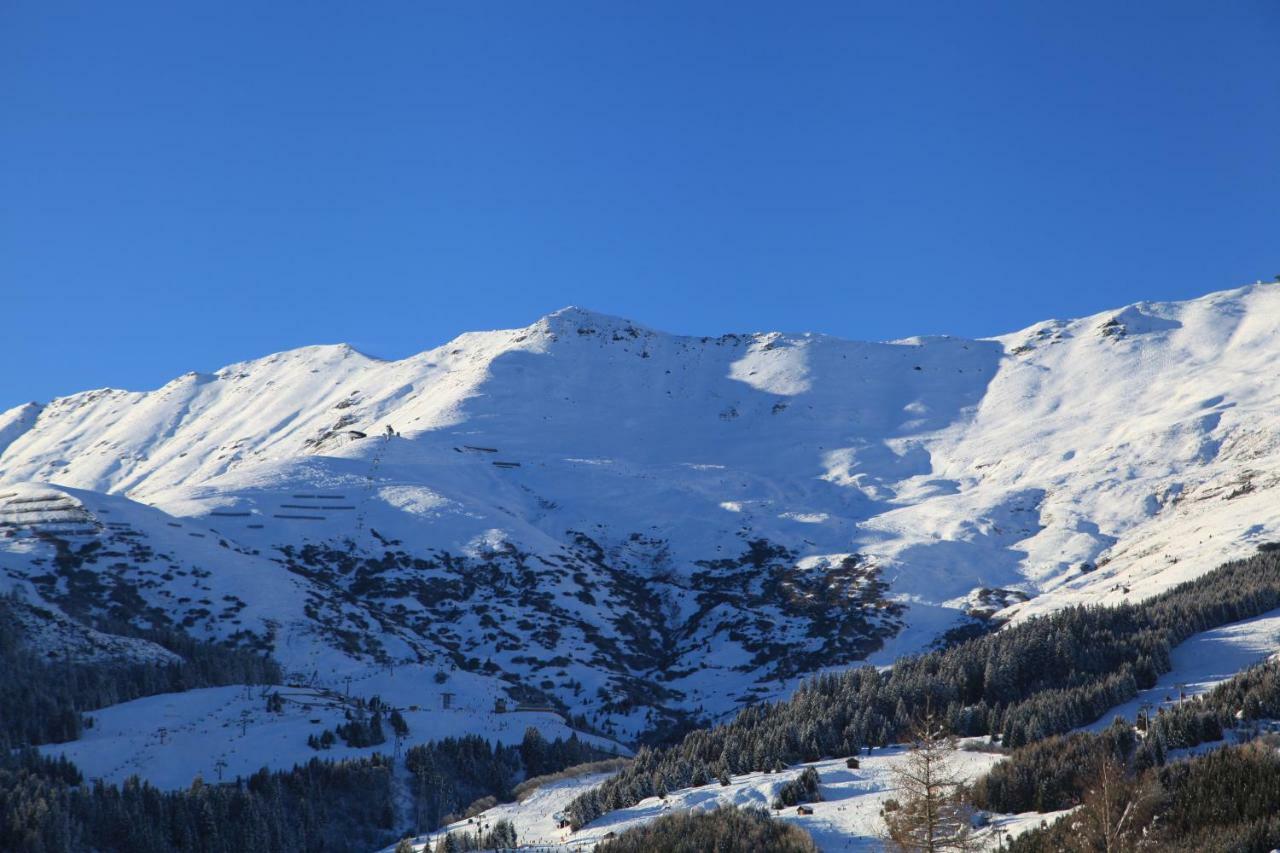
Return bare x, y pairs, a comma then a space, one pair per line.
183, 185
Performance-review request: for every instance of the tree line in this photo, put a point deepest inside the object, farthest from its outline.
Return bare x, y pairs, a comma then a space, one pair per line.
45, 807
43, 700
726, 830
1030, 681
449, 775
1226, 800
1047, 775
500, 837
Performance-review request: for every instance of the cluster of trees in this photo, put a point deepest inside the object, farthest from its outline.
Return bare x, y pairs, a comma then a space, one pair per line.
447, 775
500, 837
361, 730
1050, 775
1046, 776
324, 740
45, 806
725, 830
1045, 676
540, 757
44, 700
319, 806
363, 727
802, 789
1226, 800
1252, 694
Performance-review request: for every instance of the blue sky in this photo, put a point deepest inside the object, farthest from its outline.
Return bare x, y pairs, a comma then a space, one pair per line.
185, 185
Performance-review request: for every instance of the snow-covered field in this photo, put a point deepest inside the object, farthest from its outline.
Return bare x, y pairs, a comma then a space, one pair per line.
227, 732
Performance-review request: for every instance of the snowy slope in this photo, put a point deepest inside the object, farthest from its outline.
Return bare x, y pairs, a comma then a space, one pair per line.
847, 817
1202, 662
226, 732
633, 525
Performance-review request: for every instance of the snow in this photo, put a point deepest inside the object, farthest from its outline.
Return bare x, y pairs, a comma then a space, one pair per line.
1203, 661
66, 639
1142, 444
848, 818
998, 469
226, 732
17, 421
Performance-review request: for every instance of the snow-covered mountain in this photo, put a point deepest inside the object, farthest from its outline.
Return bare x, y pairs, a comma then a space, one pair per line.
637, 526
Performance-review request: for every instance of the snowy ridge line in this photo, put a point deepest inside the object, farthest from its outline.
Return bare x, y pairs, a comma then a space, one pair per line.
696, 523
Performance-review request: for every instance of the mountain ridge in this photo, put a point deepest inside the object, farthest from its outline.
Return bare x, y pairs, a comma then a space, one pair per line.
640, 526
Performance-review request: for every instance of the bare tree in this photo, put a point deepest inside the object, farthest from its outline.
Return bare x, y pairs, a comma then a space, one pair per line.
930, 815
1116, 811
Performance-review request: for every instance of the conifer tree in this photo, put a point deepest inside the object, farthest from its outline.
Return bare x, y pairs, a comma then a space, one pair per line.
931, 816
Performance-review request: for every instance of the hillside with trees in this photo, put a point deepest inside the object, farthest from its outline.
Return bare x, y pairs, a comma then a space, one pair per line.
1033, 680
44, 700
1227, 800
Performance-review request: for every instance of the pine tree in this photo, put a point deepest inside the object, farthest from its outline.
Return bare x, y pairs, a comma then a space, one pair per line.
533, 752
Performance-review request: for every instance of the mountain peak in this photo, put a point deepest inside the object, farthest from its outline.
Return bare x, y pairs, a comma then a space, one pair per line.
573, 319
